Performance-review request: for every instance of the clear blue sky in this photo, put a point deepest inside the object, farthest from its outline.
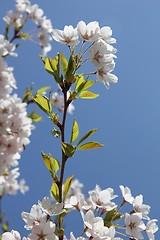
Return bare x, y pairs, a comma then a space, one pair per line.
128, 114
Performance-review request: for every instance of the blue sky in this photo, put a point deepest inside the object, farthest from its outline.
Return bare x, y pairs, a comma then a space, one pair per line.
127, 115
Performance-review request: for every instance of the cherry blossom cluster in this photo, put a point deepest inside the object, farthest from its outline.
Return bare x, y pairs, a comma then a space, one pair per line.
25, 11
101, 217
102, 53
15, 126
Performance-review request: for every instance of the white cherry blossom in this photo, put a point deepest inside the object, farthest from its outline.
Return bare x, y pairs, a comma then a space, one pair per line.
68, 36
151, 228
134, 225
36, 13
126, 193
35, 217
106, 34
13, 235
50, 209
14, 19
23, 6
43, 231
102, 198
140, 207
106, 77
89, 32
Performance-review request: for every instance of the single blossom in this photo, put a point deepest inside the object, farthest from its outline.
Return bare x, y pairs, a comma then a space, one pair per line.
36, 13
102, 198
140, 207
151, 228
105, 76
14, 19
134, 225
50, 209
43, 231
68, 36
106, 34
89, 32
126, 193
35, 217
13, 235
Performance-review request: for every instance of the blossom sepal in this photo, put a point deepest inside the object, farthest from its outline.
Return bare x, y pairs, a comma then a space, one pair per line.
111, 216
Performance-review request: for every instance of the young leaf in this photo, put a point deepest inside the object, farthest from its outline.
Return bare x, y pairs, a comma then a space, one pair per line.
75, 131
55, 191
52, 164
55, 165
79, 81
88, 95
52, 67
67, 186
68, 149
42, 90
84, 85
35, 117
64, 64
43, 102
88, 134
90, 145
71, 66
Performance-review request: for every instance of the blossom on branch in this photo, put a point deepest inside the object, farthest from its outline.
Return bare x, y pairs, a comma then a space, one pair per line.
68, 36
89, 32
134, 225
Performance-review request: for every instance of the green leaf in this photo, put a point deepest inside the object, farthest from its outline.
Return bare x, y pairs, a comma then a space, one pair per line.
52, 67
75, 131
55, 191
67, 186
71, 66
43, 102
35, 117
88, 95
90, 145
64, 64
52, 164
84, 85
79, 81
42, 90
88, 134
68, 149
74, 95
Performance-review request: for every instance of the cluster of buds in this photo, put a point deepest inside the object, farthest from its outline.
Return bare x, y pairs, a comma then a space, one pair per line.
15, 125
